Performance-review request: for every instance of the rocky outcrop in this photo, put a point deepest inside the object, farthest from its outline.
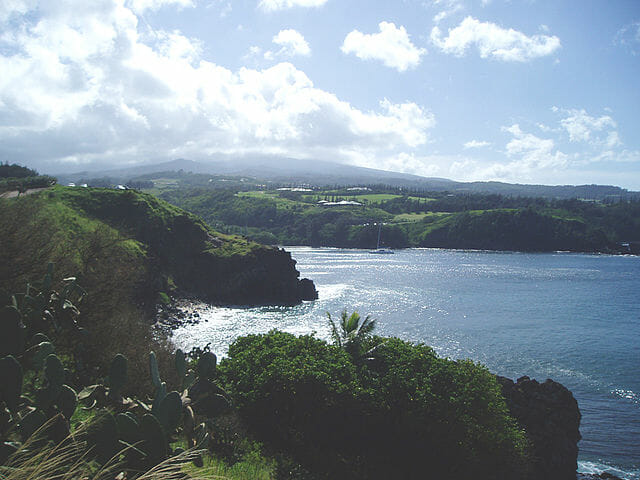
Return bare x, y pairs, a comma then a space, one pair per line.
178, 246
549, 414
266, 276
597, 476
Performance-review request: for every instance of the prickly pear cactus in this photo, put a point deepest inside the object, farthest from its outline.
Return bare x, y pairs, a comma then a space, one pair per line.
13, 332
153, 367
10, 382
117, 374
207, 365
67, 401
181, 367
154, 443
169, 412
128, 428
102, 436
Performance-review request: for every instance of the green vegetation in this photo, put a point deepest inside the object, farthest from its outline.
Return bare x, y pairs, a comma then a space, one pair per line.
17, 178
159, 241
414, 219
402, 413
41, 417
92, 394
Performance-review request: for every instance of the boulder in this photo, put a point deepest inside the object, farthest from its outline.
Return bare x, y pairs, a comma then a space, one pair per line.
550, 416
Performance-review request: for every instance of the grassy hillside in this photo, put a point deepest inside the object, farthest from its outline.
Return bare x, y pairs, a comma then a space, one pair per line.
415, 219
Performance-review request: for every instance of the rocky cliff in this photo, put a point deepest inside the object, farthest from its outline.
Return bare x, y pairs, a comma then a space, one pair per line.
185, 252
549, 414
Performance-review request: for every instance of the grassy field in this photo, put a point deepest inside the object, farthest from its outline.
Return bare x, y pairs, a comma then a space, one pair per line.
409, 217
271, 195
368, 197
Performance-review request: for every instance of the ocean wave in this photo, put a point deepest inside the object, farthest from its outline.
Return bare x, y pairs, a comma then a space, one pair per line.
596, 468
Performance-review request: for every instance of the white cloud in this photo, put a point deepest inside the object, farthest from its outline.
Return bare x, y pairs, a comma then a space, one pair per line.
391, 46
613, 140
274, 5
9, 8
532, 152
405, 163
292, 43
139, 6
476, 144
451, 10
583, 127
87, 84
494, 41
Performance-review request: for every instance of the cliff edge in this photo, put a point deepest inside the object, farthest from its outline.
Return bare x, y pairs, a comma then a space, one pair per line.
180, 250
550, 416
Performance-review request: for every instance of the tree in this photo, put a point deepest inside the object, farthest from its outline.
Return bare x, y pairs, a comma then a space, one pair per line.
352, 333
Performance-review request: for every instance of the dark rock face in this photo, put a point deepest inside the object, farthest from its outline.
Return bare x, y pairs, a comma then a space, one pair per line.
550, 416
265, 277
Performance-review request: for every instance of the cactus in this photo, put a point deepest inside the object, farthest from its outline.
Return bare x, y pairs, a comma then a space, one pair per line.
169, 412
117, 375
56, 396
207, 365
154, 443
30, 423
67, 401
13, 332
161, 393
39, 338
10, 382
54, 372
208, 399
181, 367
153, 367
128, 427
39, 353
102, 435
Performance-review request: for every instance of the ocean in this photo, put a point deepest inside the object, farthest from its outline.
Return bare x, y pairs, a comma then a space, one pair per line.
574, 318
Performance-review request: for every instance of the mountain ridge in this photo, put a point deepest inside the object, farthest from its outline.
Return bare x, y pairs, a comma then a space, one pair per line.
322, 173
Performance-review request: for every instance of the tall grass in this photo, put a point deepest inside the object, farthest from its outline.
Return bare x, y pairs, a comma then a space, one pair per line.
40, 459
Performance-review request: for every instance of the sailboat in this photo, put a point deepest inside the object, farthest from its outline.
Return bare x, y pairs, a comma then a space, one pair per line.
378, 249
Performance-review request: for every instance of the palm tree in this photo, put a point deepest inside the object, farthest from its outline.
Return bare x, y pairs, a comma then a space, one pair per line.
351, 332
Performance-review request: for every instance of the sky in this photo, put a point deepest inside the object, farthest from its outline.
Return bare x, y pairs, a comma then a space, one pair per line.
521, 91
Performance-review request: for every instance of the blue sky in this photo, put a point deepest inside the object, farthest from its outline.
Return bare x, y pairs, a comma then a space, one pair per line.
526, 91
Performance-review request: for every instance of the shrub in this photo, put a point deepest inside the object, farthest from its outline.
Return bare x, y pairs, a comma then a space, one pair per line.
406, 414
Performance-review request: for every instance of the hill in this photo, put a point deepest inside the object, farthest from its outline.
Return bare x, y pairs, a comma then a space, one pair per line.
175, 248
323, 173
352, 218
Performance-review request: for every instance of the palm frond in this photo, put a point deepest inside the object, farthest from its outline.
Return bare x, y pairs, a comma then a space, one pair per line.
367, 327
335, 333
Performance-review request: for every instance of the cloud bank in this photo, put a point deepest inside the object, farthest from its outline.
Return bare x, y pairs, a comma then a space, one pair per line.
88, 83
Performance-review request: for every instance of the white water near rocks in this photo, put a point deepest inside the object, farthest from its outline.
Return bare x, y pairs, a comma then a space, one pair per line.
570, 317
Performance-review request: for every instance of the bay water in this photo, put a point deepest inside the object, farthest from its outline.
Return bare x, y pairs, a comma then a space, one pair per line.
574, 318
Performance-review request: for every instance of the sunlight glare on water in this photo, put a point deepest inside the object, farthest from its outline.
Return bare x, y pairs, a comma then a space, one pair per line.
574, 318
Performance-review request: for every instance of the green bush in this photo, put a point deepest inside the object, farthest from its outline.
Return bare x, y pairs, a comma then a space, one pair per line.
404, 414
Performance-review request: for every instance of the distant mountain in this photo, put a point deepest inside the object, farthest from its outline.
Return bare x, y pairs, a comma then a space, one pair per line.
323, 173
